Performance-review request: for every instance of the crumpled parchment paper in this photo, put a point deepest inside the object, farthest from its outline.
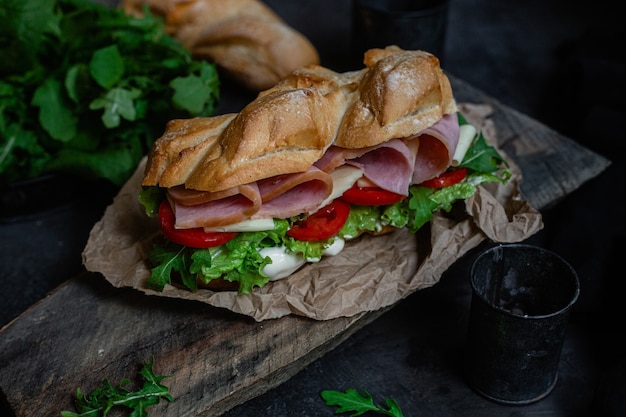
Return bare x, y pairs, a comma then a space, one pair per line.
369, 274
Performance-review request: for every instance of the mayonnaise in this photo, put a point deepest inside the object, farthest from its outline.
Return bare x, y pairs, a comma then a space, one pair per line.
284, 263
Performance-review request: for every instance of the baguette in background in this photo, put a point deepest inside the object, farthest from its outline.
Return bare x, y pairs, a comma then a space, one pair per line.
247, 41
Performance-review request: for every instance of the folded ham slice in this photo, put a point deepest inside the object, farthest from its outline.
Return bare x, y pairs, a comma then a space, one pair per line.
219, 209
437, 146
292, 194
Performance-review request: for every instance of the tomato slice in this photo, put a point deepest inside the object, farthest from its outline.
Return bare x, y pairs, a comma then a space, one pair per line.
446, 179
194, 238
371, 196
323, 224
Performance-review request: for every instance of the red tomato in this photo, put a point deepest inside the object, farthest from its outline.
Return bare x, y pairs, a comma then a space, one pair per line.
323, 224
371, 196
194, 238
446, 179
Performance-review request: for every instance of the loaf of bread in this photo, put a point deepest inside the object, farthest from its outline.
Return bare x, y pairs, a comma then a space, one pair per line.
289, 127
247, 41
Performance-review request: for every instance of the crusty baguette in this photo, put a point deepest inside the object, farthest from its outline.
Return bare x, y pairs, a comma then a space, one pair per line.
401, 94
245, 38
289, 127
182, 146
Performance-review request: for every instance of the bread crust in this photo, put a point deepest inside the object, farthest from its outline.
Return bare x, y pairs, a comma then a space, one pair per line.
248, 41
400, 94
185, 143
288, 127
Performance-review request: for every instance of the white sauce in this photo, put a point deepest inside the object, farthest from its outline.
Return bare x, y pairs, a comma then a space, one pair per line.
284, 264
335, 248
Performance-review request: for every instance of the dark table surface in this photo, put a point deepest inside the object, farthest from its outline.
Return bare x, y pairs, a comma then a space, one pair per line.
555, 61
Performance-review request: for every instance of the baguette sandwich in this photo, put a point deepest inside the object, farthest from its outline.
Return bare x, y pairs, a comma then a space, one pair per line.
308, 166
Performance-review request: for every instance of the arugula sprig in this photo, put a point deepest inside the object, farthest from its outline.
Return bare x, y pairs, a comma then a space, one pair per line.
104, 398
86, 89
359, 402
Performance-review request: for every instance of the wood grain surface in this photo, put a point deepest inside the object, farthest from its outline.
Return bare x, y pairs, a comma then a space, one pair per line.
86, 331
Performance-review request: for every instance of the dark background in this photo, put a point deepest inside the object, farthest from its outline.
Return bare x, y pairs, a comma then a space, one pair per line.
560, 62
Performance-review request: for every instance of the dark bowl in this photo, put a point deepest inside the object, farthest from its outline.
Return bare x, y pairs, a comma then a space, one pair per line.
44, 227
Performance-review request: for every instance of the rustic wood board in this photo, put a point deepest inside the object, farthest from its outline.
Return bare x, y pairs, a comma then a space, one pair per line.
86, 331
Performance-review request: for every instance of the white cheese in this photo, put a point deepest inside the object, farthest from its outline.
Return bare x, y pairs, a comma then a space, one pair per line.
467, 133
343, 179
256, 225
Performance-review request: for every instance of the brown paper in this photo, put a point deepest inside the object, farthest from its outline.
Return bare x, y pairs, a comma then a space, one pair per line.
369, 274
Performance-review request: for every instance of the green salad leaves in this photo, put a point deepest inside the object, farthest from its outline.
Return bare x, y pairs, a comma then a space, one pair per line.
86, 89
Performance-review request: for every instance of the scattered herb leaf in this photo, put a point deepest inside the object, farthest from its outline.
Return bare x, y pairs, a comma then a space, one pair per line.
359, 403
104, 398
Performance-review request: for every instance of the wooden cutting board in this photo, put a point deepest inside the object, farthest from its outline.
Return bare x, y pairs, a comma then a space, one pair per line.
86, 331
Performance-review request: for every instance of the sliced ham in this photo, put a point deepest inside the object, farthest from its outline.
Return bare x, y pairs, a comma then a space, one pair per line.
187, 197
398, 163
436, 148
292, 194
336, 156
389, 166
239, 205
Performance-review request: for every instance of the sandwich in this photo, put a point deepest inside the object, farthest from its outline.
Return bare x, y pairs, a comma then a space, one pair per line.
306, 168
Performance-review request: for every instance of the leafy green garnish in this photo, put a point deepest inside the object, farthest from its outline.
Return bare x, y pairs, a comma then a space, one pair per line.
482, 157
86, 89
104, 398
358, 403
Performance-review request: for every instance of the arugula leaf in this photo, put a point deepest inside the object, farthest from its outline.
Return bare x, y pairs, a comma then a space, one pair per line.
103, 399
482, 157
358, 403
170, 257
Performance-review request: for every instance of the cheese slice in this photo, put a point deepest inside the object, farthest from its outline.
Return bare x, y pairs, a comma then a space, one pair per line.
467, 133
343, 178
255, 225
